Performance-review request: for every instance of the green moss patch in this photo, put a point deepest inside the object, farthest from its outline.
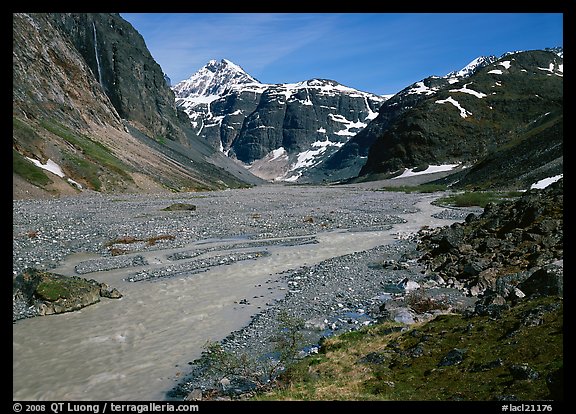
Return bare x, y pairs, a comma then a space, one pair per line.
28, 171
476, 198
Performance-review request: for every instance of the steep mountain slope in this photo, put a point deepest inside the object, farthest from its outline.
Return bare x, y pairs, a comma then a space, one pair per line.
510, 105
91, 110
280, 130
349, 160
534, 153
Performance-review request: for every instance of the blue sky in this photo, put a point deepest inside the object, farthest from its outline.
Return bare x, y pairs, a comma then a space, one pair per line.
374, 52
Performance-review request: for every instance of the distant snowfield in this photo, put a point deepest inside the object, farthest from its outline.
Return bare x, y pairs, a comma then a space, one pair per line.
431, 169
307, 159
409, 172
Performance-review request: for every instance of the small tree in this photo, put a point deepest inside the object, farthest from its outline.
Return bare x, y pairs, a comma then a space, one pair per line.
221, 363
288, 342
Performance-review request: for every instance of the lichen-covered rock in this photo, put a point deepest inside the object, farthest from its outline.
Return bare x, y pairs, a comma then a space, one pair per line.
50, 293
180, 207
548, 280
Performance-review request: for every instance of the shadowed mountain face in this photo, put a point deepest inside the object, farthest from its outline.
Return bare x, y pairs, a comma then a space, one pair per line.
281, 130
351, 157
92, 111
506, 115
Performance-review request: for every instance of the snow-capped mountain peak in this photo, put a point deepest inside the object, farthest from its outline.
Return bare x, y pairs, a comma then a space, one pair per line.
277, 130
213, 79
472, 67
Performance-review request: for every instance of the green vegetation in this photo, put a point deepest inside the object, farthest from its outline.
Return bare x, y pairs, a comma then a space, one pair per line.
83, 169
24, 134
95, 151
476, 198
287, 344
466, 199
53, 288
449, 358
28, 171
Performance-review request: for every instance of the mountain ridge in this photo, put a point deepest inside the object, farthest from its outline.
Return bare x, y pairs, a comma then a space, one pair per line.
349, 160
275, 129
92, 110
466, 121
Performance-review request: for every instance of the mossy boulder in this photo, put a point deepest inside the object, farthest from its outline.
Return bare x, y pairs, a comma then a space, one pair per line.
51, 293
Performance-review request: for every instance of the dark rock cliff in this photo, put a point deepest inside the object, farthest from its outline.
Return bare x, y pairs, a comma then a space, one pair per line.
127, 72
310, 114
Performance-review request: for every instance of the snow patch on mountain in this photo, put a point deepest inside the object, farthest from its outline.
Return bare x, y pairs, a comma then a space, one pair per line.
463, 112
409, 172
213, 79
470, 68
277, 153
464, 89
545, 182
308, 159
553, 68
420, 88
55, 169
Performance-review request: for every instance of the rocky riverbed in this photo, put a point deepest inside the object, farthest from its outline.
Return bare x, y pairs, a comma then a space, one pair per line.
511, 253
335, 296
334, 257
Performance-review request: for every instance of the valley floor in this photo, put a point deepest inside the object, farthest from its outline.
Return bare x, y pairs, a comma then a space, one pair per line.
194, 276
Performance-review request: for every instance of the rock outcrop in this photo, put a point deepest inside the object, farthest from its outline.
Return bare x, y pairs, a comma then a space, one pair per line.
513, 249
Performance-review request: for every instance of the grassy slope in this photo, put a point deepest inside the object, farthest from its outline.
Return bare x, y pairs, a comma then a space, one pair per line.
375, 364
